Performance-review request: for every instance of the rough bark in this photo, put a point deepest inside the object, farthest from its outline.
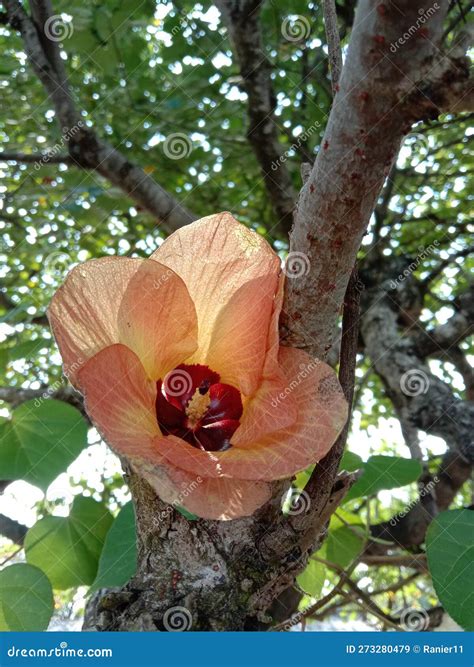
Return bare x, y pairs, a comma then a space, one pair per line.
421, 400
419, 397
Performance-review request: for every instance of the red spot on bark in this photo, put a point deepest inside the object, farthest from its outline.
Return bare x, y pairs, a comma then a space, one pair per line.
381, 10
364, 96
311, 188
326, 145
355, 177
360, 153
379, 39
337, 243
297, 316
337, 88
423, 32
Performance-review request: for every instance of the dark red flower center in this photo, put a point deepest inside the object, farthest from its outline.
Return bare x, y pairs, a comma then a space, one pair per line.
194, 405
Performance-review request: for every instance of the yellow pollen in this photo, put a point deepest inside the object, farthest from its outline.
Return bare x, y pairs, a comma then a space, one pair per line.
197, 408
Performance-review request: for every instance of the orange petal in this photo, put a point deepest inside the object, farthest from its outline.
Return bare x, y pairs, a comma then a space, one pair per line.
263, 413
207, 498
120, 400
101, 297
216, 256
239, 339
83, 312
157, 318
322, 413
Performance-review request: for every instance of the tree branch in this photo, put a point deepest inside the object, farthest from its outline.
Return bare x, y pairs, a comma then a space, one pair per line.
85, 148
242, 18
381, 93
334, 46
43, 158
13, 530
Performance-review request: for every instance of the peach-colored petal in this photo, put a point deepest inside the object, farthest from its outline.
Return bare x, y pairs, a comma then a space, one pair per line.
264, 413
222, 499
216, 256
157, 318
322, 413
83, 312
120, 400
102, 297
239, 339
273, 345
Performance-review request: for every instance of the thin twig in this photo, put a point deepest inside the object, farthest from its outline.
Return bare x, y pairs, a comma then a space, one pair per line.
334, 42
347, 367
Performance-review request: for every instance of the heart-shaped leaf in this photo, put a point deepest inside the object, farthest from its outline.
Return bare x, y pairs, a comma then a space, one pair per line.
450, 552
26, 598
68, 548
42, 438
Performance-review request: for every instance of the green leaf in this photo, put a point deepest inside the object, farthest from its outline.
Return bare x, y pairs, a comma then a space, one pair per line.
26, 598
118, 560
311, 580
302, 478
384, 472
450, 552
40, 441
344, 544
68, 549
351, 461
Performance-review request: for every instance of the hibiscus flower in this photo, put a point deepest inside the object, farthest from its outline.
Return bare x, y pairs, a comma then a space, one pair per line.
179, 362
